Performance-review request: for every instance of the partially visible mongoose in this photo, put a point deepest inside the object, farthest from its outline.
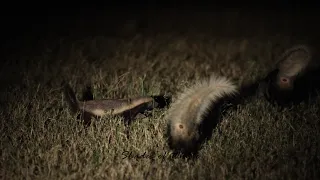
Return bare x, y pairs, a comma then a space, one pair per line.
128, 108
193, 115
294, 77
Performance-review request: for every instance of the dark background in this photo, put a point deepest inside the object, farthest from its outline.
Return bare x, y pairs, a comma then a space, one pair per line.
24, 23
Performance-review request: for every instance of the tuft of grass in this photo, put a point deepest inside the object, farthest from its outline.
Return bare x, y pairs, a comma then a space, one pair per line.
41, 140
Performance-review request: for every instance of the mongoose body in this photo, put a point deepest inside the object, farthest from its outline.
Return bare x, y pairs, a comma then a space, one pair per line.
292, 63
195, 111
295, 76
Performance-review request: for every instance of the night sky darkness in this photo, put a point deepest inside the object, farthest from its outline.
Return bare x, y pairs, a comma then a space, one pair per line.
41, 18
37, 17
26, 24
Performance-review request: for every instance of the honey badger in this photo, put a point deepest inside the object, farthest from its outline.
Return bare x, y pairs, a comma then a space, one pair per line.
128, 108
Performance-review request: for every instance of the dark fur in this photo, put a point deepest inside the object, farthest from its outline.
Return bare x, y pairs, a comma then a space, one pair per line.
305, 89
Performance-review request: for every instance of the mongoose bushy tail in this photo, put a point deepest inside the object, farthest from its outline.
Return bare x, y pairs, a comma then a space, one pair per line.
191, 117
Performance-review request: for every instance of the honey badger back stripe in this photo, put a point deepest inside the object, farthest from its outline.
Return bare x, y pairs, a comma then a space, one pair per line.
112, 106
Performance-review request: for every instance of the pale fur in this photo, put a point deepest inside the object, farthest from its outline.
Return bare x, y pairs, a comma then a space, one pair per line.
103, 107
186, 114
294, 61
112, 106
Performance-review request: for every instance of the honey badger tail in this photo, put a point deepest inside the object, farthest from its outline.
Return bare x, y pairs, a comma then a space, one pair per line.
192, 117
70, 98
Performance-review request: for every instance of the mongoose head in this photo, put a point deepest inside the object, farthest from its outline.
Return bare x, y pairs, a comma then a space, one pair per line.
183, 139
187, 132
280, 88
284, 83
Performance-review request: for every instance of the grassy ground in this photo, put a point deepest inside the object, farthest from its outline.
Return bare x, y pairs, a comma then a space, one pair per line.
41, 140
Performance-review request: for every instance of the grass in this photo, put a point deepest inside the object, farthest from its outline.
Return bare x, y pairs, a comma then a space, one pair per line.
41, 140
